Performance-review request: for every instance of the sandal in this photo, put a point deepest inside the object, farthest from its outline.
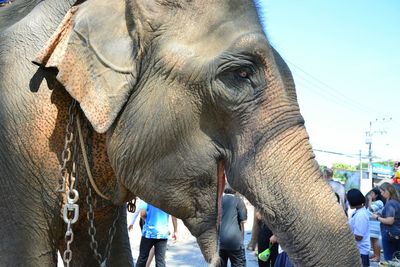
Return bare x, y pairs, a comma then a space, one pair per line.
374, 260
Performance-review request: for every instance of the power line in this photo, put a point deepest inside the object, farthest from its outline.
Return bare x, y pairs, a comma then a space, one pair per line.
324, 90
347, 154
328, 95
332, 91
341, 154
336, 101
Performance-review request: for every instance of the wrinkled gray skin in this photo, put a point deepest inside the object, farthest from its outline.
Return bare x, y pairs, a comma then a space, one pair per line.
171, 89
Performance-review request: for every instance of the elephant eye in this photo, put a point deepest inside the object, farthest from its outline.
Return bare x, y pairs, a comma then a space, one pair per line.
239, 77
243, 74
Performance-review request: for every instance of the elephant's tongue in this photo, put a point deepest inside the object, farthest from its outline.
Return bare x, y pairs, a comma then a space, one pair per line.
220, 189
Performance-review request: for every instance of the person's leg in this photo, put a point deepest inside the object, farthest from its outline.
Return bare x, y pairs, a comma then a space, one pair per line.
396, 247
387, 247
365, 260
372, 240
223, 257
151, 257
287, 262
237, 258
274, 253
375, 249
145, 245
160, 248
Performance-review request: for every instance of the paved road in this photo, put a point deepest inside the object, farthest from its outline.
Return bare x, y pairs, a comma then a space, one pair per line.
185, 252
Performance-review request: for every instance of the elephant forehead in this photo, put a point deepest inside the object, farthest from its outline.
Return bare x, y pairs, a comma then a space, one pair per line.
208, 32
177, 55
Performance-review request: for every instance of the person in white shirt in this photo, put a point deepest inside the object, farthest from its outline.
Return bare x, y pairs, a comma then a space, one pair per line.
359, 224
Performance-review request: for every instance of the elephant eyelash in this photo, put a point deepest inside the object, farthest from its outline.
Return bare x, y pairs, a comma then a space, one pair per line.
232, 63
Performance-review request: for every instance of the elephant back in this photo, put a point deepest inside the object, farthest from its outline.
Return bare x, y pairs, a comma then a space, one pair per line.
15, 11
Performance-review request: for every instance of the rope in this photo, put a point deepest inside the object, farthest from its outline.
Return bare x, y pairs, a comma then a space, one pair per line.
85, 160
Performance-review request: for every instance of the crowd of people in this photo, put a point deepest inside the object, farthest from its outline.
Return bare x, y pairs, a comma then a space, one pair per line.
374, 222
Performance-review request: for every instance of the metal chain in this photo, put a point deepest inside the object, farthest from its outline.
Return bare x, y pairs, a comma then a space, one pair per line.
92, 230
69, 237
111, 234
131, 206
68, 172
66, 153
94, 245
68, 175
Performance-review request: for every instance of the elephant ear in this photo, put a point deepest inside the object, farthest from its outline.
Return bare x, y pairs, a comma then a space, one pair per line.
95, 53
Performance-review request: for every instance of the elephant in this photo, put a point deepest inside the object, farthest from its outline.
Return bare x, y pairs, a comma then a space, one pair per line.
158, 99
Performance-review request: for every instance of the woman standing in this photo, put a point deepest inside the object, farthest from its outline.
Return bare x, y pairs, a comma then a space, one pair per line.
375, 205
390, 221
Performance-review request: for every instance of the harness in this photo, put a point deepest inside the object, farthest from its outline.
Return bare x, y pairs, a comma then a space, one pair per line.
70, 195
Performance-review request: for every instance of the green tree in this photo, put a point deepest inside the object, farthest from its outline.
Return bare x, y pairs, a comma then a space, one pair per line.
343, 166
340, 176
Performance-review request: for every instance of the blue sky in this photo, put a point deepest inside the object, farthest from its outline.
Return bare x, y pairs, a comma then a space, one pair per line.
345, 59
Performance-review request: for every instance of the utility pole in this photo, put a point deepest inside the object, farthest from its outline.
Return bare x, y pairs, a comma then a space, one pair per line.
368, 141
367, 185
361, 172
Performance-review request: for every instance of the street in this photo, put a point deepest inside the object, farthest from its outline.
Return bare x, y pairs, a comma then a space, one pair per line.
185, 252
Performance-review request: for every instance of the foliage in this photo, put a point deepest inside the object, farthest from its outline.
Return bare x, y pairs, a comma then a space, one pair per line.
342, 177
343, 166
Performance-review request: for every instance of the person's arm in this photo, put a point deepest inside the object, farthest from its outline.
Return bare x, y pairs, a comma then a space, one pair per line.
273, 239
389, 212
358, 238
133, 220
387, 220
242, 214
258, 215
370, 202
175, 225
242, 228
143, 214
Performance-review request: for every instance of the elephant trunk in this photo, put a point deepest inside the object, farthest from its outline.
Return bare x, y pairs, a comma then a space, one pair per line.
207, 237
297, 204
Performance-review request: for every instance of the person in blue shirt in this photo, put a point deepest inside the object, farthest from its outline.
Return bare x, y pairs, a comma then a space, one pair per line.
155, 233
359, 224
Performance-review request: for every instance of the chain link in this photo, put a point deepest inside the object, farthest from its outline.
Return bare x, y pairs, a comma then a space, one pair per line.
92, 230
66, 153
68, 176
69, 238
111, 234
131, 206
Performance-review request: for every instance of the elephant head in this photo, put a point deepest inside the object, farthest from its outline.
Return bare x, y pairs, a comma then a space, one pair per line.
186, 89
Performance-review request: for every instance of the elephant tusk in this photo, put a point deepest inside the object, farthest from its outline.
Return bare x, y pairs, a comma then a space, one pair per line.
220, 189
